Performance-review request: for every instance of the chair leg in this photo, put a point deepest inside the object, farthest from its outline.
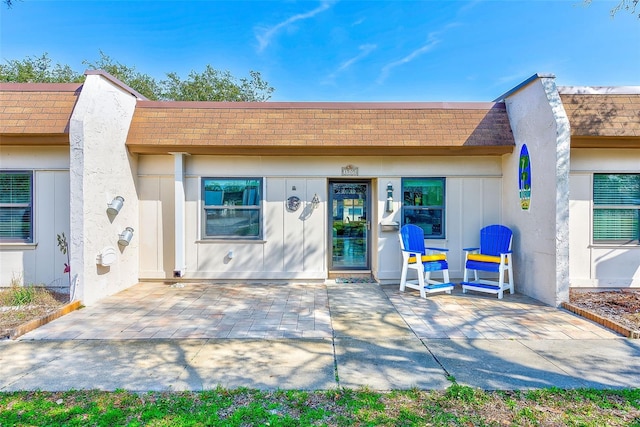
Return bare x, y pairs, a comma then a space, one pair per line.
510, 268
403, 277
421, 281
445, 276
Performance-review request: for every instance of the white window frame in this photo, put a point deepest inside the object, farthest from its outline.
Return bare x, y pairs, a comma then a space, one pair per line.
11, 204
406, 208
236, 207
609, 204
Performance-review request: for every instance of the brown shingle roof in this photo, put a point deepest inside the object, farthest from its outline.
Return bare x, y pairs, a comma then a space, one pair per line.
603, 115
320, 128
32, 111
603, 119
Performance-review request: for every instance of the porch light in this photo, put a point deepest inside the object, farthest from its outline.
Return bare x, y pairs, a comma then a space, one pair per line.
116, 204
125, 237
315, 201
389, 204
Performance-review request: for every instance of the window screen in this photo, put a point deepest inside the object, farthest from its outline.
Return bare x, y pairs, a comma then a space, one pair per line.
616, 208
16, 207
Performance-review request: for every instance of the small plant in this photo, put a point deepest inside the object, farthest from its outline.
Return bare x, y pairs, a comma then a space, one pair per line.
22, 295
63, 245
64, 248
463, 393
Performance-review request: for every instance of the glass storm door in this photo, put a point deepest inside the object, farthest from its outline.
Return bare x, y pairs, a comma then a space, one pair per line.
349, 221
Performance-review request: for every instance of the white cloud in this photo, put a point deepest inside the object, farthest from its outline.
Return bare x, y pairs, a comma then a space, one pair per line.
432, 41
266, 35
365, 50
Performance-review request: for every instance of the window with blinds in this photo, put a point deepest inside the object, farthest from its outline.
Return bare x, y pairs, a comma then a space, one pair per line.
16, 207
616, 208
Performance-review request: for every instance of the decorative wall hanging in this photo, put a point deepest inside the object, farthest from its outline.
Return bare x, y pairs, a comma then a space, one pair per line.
293, 203
524, 178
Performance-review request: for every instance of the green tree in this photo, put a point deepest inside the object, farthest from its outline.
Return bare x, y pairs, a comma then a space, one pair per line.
630, 6
143, 83
37, 69
214, 85
210, 85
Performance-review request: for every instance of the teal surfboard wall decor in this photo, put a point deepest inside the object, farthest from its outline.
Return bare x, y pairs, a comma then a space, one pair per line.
524, 181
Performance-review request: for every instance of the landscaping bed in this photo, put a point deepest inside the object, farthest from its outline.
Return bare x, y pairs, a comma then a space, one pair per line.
611, 308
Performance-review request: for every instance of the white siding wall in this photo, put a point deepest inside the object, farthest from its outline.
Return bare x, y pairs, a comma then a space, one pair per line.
598, 265
295, 243
40, 263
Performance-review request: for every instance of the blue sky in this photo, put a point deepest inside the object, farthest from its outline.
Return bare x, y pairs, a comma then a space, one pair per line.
343, 50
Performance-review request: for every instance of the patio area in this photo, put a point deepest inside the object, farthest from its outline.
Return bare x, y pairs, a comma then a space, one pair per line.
312, 311
315, 336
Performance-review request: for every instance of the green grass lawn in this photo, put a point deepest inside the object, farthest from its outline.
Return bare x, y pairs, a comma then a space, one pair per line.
456, 406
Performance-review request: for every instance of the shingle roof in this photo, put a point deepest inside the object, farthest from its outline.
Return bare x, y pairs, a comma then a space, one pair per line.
611, 118
321, 128
36, 110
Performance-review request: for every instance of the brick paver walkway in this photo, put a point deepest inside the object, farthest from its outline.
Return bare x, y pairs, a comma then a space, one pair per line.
273, 311
483, 316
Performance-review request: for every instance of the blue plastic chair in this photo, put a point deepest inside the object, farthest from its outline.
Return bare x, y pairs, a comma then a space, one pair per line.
493, 255
415, 256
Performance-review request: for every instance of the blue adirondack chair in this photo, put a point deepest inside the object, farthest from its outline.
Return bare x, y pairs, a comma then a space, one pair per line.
425, 260
493, 255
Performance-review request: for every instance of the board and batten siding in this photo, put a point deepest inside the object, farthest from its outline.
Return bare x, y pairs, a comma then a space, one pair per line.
596, 265
41, 262
295, 244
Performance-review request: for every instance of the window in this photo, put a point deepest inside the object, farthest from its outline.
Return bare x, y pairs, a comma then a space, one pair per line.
16, 207
423, 205
616, 208
232, 208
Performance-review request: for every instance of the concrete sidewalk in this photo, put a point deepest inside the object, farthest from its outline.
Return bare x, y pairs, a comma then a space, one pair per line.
344, 336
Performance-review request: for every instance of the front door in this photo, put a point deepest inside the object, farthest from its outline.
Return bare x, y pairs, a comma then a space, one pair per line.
349, 220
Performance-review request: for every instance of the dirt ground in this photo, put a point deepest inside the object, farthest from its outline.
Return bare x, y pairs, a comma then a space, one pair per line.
38, 304
622, 306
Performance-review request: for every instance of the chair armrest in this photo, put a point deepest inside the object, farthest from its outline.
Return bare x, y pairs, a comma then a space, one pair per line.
470, 249
412, 253
438, 249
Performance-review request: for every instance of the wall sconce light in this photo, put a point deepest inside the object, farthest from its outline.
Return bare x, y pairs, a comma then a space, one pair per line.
115, 205
125, 237
389, 205
315, 201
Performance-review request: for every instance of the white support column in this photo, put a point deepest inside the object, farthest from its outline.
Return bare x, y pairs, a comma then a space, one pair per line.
180, 245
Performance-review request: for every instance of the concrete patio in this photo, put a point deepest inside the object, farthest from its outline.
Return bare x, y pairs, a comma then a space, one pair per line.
154, 336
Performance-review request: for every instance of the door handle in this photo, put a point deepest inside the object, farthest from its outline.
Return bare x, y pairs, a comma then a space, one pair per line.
368, 225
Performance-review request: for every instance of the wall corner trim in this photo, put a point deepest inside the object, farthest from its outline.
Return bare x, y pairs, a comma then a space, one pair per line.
117, 82
525, 83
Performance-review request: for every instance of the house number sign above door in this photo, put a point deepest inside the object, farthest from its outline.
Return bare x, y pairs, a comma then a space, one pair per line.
349, 170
